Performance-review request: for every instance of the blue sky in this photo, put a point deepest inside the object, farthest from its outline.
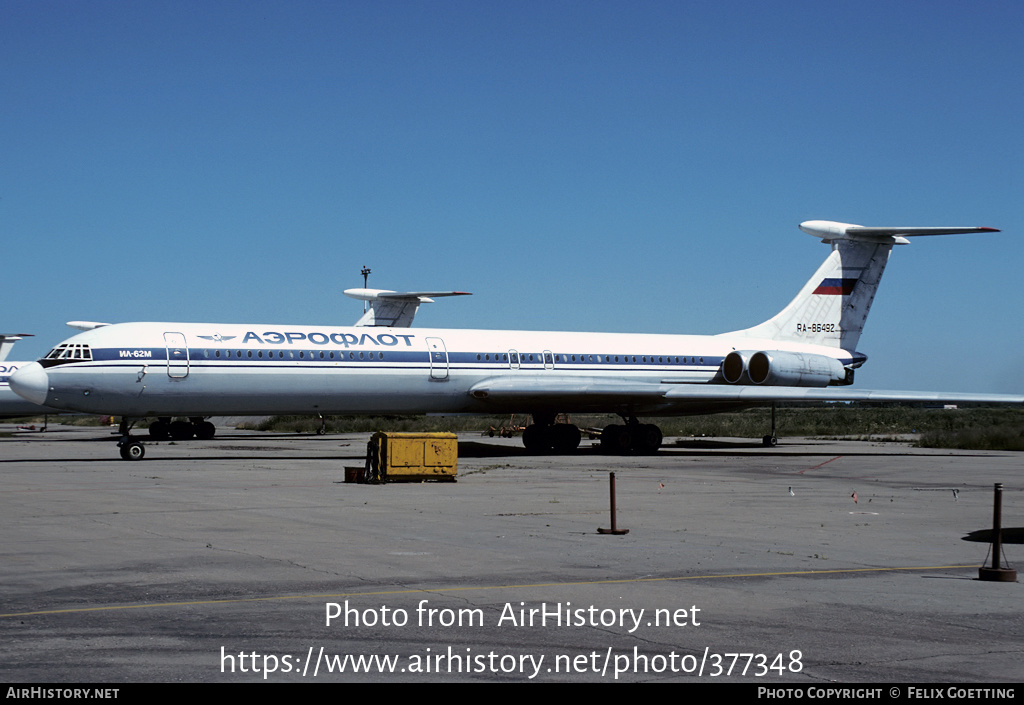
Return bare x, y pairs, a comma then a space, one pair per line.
613, 166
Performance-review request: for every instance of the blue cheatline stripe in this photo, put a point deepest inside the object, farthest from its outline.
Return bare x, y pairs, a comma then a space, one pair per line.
249, 355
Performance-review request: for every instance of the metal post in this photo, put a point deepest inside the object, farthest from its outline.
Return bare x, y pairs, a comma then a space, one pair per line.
615, 529
365, 271
995, 573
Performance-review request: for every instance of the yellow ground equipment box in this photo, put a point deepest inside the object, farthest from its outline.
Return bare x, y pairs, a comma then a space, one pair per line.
411, 457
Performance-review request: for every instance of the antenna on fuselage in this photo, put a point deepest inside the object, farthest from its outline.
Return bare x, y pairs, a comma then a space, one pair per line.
366, 275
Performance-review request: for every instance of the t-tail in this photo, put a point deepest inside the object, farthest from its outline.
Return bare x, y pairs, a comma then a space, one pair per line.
7, 341
833, 305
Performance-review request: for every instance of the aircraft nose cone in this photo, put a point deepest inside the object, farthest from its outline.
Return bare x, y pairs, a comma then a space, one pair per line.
31, 382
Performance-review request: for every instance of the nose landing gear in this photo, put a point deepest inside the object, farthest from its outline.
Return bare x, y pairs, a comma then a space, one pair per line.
130, 448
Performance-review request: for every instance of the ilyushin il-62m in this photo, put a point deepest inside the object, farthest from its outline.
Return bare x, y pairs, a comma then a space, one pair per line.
196, 370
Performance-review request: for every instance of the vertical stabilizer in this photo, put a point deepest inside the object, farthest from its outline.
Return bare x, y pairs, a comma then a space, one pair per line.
833, 305
7, 341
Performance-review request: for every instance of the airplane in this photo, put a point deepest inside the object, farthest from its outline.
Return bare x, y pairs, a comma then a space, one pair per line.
807, 352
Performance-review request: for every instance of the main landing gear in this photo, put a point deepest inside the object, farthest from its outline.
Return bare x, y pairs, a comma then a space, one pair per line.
771, 440
633, 437
164, 429
546, 436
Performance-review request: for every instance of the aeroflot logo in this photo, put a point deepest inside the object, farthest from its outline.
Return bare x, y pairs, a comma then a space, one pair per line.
346, 339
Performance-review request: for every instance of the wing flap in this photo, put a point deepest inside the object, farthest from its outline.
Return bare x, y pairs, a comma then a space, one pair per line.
552, 388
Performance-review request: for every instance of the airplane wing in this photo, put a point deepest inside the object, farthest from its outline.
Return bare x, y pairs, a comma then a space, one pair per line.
584, 388
394, 309
722, 392
670, 397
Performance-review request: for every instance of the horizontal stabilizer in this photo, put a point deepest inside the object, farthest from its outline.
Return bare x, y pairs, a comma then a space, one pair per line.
918, 231
381, 294
394, 309
86, 325
830, 231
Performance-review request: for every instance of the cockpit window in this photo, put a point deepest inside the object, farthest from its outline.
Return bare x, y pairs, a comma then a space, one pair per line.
65, 353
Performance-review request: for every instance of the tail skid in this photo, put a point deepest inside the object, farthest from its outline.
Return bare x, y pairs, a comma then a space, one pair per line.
833, 305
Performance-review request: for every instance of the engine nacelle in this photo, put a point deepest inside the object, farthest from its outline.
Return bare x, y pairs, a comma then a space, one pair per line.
734, 367
789, 369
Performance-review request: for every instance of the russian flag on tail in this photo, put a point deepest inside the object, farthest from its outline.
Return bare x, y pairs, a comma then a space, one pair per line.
836, 287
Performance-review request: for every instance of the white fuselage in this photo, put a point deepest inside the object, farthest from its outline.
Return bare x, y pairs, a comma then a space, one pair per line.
202, 369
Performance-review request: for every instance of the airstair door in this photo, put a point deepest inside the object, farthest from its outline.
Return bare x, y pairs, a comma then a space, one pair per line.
177, 355
438, 358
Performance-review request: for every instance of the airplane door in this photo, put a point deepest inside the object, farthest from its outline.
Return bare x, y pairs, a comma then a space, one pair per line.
177, 355
438, 358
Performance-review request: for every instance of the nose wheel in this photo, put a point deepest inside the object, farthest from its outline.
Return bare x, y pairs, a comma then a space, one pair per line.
132, 450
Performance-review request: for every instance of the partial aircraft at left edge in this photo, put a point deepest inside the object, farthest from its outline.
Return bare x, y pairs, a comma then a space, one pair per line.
12, 405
